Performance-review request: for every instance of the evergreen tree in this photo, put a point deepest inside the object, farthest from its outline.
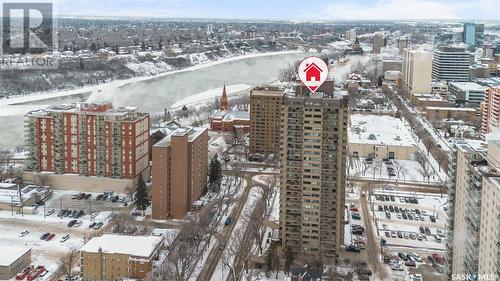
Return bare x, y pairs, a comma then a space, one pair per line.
81, 66
141, 195
214, 174
93, 47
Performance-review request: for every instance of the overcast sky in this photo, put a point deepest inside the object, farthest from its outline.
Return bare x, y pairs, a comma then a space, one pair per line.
287, 9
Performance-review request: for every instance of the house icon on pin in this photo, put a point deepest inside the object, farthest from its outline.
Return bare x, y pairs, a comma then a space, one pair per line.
313, 71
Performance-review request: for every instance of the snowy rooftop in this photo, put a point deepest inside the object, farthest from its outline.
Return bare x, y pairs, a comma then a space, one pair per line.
237, 115
379, 129
451, 108
469, 86
10, 254
192, 132
138, 246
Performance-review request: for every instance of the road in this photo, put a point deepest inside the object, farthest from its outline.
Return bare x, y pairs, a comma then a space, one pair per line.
372, 247
215, 254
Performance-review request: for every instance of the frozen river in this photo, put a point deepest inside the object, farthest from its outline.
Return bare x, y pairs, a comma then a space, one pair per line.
157, 93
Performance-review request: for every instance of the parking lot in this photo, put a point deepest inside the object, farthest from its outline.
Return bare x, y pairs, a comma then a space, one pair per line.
60, 233
411, 224
409, 219
65, 200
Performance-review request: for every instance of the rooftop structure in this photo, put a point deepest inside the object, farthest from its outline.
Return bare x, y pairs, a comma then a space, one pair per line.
138, 246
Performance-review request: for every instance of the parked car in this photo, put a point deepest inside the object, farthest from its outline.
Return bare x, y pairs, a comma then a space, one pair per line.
396, 209
64, 238
407, 200
34, 274
80, 213
400, 234
417, 257
24, 233
92, 225
50, 212
393, 234
387, 234
50, 237
402, 256
406, 235
404, 216
228, 221
380, 208
363, 271
391, 208
78, 223
88, 195
352, 248
74, 196
21, 275
356, 216
99, 197
432, 218
44, 236
401, 199
422, 230
392, 198
410, 263
388, 215
427, 230
98, 225
72, 223
412, 236
81, 196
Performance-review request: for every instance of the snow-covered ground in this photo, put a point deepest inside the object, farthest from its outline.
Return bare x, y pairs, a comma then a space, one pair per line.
208, 96
221, 272
409, 171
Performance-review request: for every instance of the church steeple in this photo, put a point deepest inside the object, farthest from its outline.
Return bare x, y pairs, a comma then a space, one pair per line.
223, 99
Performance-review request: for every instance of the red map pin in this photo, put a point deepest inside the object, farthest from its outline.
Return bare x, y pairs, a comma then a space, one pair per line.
313, 72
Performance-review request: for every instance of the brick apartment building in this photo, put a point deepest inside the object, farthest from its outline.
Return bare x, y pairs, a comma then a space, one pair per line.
180, 169
265, 112
490, 110
91, 139
115, 257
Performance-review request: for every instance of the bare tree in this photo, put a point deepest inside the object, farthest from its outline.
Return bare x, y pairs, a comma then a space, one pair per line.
68, 259
5, 158
425, 169
181, 261
441, 156
42, 179
429, 143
